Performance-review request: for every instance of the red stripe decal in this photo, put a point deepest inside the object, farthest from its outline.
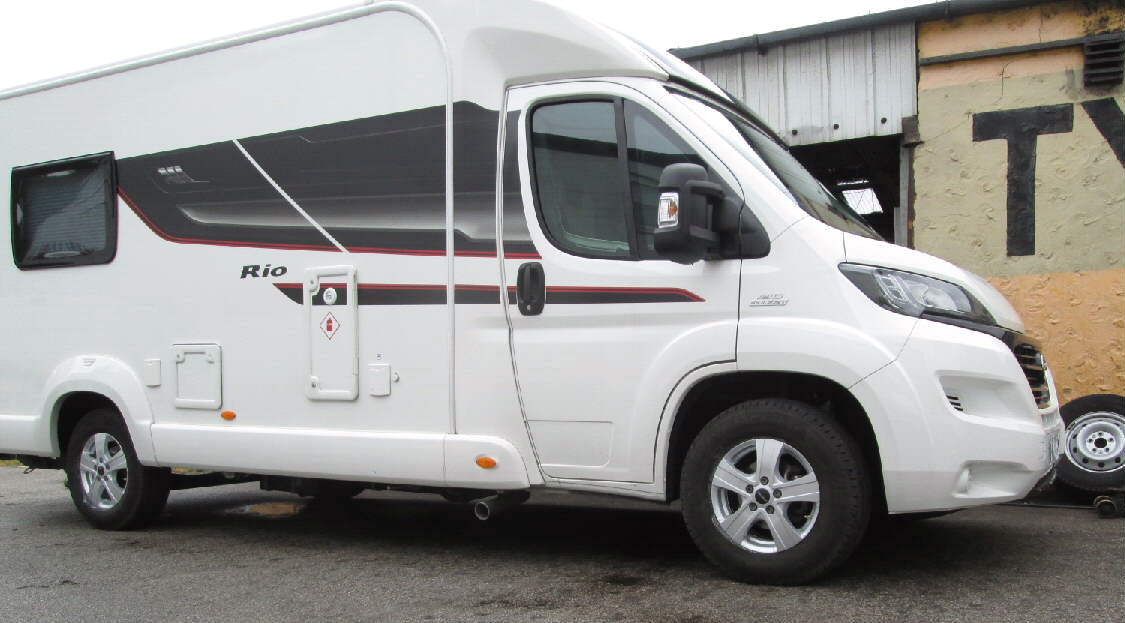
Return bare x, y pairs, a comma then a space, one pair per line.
684, 295
691, 296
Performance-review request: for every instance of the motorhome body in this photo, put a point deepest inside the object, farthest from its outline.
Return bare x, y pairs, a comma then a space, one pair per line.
416, 244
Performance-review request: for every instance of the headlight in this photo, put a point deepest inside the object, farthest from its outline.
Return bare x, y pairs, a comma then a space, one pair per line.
916, 295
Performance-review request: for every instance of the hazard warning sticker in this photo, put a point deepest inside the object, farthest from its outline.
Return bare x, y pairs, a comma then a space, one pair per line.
329, 326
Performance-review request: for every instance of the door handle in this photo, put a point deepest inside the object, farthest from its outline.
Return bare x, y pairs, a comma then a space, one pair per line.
531, 289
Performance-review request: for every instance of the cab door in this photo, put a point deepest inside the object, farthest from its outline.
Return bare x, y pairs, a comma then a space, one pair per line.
603, 327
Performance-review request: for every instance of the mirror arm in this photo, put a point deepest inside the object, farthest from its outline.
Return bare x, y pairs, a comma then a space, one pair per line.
706, 189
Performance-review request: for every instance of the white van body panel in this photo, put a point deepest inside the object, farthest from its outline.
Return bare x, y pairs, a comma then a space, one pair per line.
237, 91
99, 374
399, 135
592, 376
995, 449
803, 316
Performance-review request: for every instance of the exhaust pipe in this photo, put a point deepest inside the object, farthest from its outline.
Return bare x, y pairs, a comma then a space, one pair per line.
489, 507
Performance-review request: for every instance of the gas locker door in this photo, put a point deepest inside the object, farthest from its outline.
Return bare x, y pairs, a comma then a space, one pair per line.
611, 328
332, 333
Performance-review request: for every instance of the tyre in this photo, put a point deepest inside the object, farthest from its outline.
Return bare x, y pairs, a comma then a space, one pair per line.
775, 492
1093, 458
110, 487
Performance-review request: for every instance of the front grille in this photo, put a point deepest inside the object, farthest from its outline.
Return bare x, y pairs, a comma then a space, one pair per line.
1031, 360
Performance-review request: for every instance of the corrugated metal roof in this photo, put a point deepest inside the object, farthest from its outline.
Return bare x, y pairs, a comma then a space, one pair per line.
947, 9
848, 85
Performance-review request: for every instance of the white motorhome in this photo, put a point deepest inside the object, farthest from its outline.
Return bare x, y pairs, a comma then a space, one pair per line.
475, 248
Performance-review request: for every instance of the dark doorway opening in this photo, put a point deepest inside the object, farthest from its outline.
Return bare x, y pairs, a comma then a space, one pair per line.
864, 172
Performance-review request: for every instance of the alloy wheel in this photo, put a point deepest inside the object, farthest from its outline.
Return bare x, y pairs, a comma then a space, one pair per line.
104, 471
765, 496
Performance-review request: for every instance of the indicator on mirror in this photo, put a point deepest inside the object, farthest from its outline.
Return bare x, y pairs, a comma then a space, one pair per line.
668, 212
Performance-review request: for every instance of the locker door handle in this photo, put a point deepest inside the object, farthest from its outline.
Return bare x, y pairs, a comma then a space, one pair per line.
531, 289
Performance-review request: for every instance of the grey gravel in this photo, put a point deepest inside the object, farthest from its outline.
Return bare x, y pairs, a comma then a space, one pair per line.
236, 553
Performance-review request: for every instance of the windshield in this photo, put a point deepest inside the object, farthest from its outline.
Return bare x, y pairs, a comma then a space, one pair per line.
781, 168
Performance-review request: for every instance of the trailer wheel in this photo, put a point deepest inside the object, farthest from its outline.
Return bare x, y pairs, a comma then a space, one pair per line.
775, 492
110, 487
1094, 456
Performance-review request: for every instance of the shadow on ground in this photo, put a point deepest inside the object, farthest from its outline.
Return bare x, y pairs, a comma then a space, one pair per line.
941, 547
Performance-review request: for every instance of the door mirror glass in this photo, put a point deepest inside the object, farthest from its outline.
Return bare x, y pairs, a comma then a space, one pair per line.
685, 214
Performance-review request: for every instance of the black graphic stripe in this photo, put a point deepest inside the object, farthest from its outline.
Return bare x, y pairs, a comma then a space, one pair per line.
376, 184
470, 294
292, 291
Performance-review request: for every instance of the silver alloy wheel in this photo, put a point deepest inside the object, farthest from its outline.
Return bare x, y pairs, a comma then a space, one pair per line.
765, 496
1095, 442
104, 471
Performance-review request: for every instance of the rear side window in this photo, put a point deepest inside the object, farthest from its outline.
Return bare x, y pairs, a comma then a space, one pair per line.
578, 173
64, 212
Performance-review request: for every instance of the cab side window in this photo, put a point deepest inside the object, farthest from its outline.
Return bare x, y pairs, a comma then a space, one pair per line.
597, 167
575, 150
652, 146
64, 212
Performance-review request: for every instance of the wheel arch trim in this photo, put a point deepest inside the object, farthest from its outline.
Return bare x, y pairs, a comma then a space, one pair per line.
673, 412
107, 377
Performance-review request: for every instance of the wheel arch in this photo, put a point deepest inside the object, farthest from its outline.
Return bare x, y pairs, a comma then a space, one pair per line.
711, 395
83, 383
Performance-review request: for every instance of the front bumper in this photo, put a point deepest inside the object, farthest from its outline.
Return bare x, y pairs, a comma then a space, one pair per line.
957, 423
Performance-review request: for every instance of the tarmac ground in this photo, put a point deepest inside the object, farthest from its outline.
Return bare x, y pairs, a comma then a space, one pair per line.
237, 553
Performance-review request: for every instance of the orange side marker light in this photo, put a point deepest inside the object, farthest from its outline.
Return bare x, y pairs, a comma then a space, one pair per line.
486, 462
227, 415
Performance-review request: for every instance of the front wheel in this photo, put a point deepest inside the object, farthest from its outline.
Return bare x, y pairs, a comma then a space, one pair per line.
775, 492
110, 487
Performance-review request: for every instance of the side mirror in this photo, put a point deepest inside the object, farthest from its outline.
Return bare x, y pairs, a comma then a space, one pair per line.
685, 227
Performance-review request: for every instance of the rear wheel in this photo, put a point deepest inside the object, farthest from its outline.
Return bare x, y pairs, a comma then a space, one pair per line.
775, 492
110, 487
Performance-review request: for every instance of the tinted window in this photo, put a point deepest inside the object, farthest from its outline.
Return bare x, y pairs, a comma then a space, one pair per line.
652, 146
63, 212
578, 175
376, 184
790, 175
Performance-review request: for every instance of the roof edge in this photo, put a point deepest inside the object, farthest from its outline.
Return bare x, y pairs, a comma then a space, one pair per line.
210, 45
925, 12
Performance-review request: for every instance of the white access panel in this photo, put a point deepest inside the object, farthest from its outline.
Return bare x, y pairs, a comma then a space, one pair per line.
199, 376
379, 379
332, 333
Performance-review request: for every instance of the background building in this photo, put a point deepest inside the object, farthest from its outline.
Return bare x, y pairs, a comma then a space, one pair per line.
986, 132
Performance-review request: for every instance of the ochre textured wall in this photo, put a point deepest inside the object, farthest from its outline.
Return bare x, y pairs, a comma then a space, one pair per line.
1080, 318
1005, 133
1034, 24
